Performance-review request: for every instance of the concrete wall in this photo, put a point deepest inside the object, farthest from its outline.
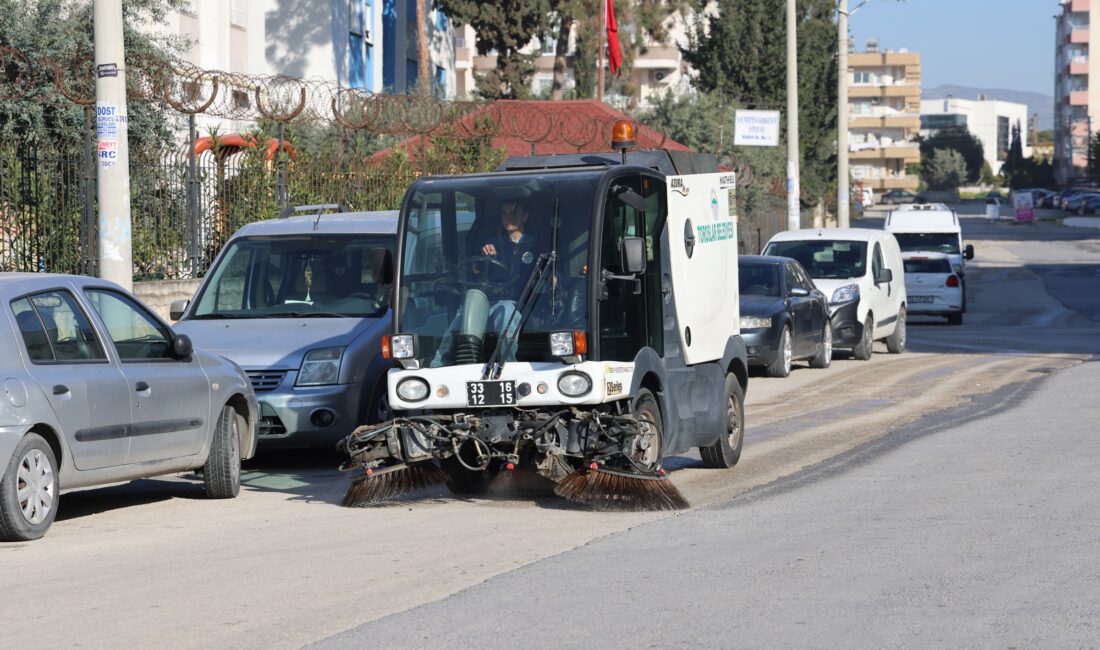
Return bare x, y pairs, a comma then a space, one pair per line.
160, 294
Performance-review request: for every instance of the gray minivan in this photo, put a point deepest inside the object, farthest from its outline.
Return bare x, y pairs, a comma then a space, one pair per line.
302, 303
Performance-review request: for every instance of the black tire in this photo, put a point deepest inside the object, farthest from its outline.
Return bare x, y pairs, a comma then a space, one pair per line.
647, 407
862, 350
824, 356
379, 410
781, 366
955, 319
726, 451
221, 475
895, 343
36, 460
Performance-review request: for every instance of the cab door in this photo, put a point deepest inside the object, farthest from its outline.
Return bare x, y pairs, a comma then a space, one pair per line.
802, 316
169, 397
882, 296
67, 361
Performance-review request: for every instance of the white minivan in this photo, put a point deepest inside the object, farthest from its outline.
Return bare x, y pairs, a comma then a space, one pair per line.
930, 228
861, 273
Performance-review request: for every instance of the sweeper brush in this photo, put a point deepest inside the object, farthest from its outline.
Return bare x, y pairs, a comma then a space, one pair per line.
377, 486
609, 490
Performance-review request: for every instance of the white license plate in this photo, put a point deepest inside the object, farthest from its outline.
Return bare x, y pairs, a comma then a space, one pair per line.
916, 299
490, 393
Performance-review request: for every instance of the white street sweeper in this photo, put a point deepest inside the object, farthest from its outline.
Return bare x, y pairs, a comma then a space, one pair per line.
571, 315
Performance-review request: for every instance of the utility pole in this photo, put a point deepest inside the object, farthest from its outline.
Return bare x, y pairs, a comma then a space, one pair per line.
842, 178
603, 42
113, 176
794, 216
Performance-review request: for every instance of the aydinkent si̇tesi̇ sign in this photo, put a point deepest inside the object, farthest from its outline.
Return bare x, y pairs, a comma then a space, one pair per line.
756, 128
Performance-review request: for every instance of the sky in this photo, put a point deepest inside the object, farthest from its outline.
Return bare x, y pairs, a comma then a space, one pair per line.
980, 43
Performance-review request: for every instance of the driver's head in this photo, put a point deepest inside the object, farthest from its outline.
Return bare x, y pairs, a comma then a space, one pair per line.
513, 216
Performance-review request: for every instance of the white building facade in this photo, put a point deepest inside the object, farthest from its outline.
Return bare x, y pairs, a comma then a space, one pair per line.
991, 121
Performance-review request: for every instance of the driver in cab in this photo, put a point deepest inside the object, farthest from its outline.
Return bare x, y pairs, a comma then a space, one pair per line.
514, 248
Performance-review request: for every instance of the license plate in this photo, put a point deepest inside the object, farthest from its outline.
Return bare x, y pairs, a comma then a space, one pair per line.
490, 393
921, 298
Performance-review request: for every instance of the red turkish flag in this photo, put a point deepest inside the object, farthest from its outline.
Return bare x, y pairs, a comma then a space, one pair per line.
614, 56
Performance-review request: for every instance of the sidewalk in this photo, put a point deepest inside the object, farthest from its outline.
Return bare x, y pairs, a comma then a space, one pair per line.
1082, 222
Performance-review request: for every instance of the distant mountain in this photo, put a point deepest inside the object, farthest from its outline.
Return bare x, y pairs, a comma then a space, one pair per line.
1036, 102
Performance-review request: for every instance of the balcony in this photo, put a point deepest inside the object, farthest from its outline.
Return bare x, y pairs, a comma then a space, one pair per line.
870, 91
658, 58
1078, 67
907, 153
896, 120
1079, 98
1079, 35
1079, 5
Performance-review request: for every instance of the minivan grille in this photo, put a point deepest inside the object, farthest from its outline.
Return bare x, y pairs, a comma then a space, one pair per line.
265, 380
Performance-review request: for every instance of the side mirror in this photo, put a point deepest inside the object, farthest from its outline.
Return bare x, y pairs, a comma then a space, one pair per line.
630, 197
885, 276
968, 252
799, 292
175, 311
633, 255
181, 346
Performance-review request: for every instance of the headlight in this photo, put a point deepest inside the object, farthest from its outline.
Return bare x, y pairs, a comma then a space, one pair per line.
561, 344
755, 322
412, 389
847, 293
574, 384
320, 367
399, 346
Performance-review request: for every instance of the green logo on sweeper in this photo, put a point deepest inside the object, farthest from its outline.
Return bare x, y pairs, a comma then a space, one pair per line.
712, 232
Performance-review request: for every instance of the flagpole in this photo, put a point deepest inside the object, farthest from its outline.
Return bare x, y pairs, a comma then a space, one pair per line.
603, 43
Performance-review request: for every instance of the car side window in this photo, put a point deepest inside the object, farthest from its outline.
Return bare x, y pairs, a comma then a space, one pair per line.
54, 329
136, 334
803, 279
876, 261
792, 278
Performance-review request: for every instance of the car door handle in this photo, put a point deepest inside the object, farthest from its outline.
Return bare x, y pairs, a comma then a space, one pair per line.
60, 389
141, 386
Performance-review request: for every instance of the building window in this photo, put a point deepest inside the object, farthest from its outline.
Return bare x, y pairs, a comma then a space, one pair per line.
357, 68
440, 81
861, 77
238, 13
1003, 137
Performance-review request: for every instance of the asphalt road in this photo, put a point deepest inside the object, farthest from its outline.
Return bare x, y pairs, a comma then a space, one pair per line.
284, 566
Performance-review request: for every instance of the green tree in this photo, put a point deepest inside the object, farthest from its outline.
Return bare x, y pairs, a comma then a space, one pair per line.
741, 53
505, 26
962, 141
945, 169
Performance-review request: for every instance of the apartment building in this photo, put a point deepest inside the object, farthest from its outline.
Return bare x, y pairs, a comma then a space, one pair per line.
1076, 104
884, 117
991, 121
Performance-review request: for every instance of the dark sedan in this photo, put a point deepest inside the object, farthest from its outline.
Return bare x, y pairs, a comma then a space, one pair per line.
783, 315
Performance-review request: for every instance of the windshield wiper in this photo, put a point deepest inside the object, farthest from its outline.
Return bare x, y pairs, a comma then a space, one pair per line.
303, 314
217, 315
524, 305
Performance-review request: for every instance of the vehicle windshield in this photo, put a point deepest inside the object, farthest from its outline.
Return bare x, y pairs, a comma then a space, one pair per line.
932, 242
469, 248
825, 259
300, 276
759, 280
925, 265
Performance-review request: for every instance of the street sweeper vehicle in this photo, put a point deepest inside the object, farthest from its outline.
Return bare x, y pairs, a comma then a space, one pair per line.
575, 316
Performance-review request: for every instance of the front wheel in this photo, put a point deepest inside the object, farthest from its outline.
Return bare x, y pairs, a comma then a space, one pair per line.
221, 475
895, 343
825, 353
726, 451
28, 491
781, 367
646, 450
955, 319
862, 351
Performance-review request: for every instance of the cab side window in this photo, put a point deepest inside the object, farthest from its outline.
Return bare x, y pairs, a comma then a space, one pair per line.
136, 334
876, 261
622, 313
54, 329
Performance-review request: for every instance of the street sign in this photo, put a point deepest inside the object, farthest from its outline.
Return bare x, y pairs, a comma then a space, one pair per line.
1025, 209
756, 128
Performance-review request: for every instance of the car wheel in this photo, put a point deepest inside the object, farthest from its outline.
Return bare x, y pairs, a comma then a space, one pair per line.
895, 343
29, 491
781, 367
379, 410
726, 451
862, 350
221, 475
825, 354
955, 319
647, 408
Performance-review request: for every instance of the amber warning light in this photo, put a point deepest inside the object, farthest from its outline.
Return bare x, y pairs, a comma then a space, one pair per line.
622, 135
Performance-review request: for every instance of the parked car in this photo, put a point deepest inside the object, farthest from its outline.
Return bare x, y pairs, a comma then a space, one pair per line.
865, 197
931, 228
934, 289
897, 197
862, 273
784, 317
1061, 198
302, 304
1076, 202
1089, 205
100, 390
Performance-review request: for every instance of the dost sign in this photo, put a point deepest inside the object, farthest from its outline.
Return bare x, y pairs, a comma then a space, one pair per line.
756, 128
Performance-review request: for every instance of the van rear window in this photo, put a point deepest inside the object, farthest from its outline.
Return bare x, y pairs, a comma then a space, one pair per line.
917, 265
930, 242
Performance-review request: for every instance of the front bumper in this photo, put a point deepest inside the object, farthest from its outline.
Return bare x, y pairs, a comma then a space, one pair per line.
847, 330
761, 345
298, 417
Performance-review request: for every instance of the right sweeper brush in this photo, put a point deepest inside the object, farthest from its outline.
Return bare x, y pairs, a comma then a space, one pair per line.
377, 486
605, 489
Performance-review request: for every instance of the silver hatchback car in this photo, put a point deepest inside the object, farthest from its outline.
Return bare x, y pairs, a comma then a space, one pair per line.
97, 389
302, 304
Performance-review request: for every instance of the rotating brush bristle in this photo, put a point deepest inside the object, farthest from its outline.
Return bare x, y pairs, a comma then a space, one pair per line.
376, 487
604, 489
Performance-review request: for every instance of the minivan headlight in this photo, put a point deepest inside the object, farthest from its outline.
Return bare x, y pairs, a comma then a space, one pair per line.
320, 367
847, 293
412, 389
574, 384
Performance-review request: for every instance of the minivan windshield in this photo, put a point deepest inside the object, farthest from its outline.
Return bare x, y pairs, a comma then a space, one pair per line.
825, 259
300, 276
931, 242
